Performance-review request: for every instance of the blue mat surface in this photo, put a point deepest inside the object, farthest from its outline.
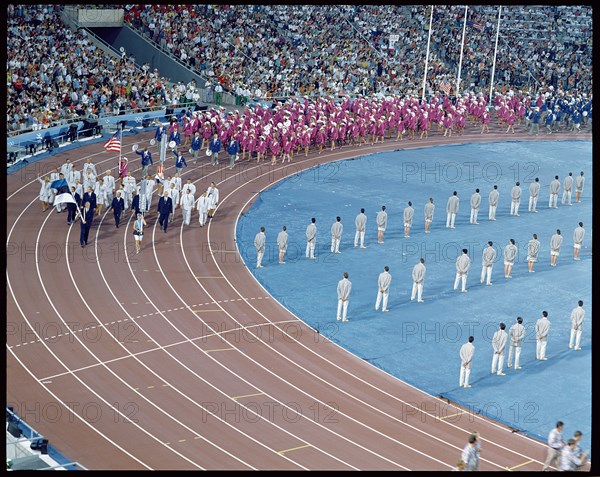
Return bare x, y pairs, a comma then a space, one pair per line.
419, 342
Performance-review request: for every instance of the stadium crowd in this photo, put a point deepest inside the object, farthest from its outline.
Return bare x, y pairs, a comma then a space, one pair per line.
66, 77
270, 51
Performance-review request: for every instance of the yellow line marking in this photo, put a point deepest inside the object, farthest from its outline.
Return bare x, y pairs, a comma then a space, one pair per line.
150, 387
204, 311
181, 440
520, 465
219, 349
247, 395
450, 415
293, 449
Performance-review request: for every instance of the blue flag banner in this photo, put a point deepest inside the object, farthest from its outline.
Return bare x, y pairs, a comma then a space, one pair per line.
63, 193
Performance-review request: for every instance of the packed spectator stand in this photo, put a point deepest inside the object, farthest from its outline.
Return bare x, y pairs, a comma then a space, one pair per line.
265, 52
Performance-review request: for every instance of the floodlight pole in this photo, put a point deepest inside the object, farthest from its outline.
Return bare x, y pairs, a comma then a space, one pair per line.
427, 57
462, 45
495, 52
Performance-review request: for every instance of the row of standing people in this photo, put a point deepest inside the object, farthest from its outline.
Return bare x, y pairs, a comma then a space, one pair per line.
514, 339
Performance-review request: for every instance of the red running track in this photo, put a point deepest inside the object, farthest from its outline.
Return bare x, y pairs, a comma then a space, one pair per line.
177, 358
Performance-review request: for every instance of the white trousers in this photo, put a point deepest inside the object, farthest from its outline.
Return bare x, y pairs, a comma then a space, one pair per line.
460, 278
342, 309
465, 372
382, 296
310, 249
259, 257
486, 274
450, 219
516, 350
417, 290
532, 203
540, 348
335, 245
575, 335
498, 362
187, 215
514, 207
553, 200
360, 235
202, 218
566, 196
492, 213
473, 218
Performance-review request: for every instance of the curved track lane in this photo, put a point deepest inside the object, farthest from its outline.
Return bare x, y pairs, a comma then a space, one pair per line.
177, 358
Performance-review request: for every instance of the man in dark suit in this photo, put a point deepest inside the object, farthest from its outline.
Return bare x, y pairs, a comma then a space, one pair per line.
72, 208
165, 207
118, 204
87, 217
89, 196
135, 204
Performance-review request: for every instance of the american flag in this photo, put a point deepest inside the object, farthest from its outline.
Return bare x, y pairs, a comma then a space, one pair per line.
445, 87
479, 26
114, 143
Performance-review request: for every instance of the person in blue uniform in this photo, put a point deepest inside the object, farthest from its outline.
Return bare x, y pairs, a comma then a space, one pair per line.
89, 196
233, 148
117, 206
72, 208
87, 217
165, 207
135, 204
146, 160
179, 161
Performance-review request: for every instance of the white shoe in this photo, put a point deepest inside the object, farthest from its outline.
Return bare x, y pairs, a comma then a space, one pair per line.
517, 367
544, 359
489, 284
364, 246
464, 291
345, 320
385, 311
467, 386
509, 365
501, 374
577, 349
338, 318
420, 301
